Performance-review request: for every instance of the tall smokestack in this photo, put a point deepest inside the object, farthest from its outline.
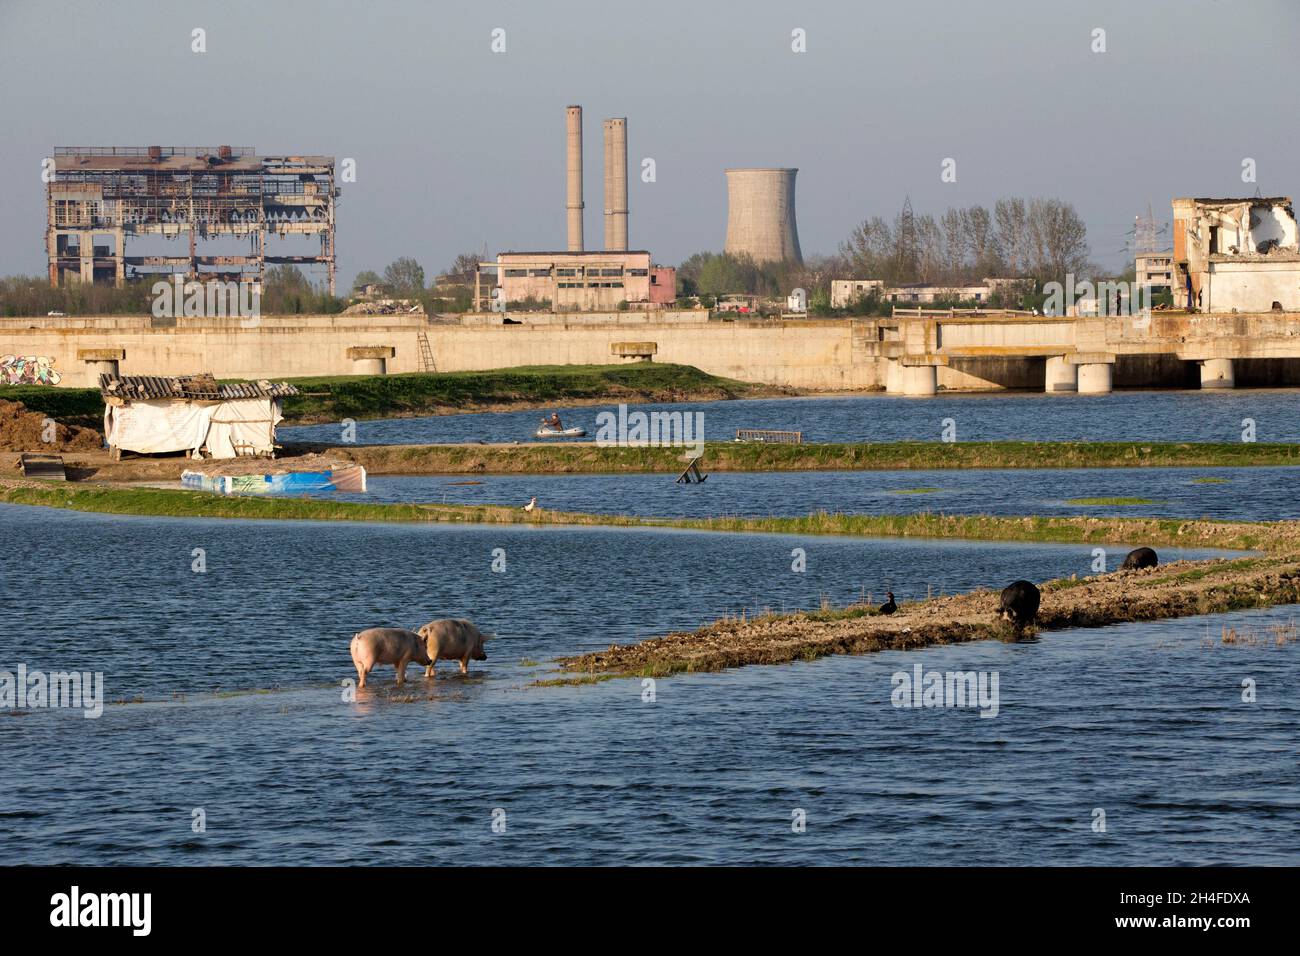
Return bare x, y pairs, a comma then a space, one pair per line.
616, 184
760, 215
573, 144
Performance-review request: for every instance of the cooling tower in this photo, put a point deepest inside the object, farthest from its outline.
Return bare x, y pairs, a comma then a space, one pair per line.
616, 184
573, 204
760, 215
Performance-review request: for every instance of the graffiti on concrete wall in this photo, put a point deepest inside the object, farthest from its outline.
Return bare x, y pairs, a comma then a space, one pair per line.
28, 370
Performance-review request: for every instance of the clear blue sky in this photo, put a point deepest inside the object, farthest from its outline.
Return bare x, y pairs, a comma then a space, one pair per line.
457, 147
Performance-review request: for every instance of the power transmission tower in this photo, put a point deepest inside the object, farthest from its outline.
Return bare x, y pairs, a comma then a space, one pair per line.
1145, 236
905, 242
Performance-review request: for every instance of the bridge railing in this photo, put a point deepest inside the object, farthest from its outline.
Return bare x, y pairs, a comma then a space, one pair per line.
954, 313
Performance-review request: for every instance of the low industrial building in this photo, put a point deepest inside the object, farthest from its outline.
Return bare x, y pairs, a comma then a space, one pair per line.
844, 292
1236, 255
576, 281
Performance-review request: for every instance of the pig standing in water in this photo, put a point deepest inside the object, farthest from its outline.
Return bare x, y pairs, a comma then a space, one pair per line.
386, 645
1020, 600
452, 640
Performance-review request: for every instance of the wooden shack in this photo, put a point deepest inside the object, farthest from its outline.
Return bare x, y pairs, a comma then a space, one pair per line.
192, 414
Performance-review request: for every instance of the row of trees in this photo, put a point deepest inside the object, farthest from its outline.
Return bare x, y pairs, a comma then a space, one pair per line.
1035, 239
711, 274
286, 290
32, 295
1039, 238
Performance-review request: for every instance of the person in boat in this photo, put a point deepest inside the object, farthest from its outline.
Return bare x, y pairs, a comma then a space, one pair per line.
553, 422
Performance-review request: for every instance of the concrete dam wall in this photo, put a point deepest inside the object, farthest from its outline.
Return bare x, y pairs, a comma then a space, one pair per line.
909, 355
817, 355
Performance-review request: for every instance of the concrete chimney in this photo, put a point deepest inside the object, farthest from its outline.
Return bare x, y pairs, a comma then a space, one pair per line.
573, 144
616, 184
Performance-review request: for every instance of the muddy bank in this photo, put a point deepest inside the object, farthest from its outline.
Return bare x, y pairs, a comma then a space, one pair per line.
1180, 589
24, 430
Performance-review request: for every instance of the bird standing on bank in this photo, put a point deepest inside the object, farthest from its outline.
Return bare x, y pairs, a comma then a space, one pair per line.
532, 503
889, 607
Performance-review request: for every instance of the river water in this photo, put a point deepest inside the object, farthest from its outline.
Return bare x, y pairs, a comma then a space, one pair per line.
1200, 416
1254, 494
231, 704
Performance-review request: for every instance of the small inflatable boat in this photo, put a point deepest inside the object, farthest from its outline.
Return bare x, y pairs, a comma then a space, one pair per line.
547, 432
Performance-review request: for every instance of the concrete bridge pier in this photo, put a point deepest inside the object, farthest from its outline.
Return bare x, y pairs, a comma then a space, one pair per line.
1095, 378
1217, 373
370, 359
101, 361
1062, 375
1095, 372
920, 381
893, 377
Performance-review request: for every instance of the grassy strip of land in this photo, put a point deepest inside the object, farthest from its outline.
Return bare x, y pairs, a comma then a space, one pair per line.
578, 458
387, 396
334, 398
1156, 532
1109, 502
1178, 590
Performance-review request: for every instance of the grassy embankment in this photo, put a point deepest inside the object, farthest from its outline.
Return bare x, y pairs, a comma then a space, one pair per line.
391, 396
1083, 530
578, 458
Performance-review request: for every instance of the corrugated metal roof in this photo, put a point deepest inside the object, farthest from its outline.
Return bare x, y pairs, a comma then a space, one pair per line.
189, 387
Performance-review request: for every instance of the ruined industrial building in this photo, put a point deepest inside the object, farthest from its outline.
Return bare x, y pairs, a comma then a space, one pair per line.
1236, 255
190, 194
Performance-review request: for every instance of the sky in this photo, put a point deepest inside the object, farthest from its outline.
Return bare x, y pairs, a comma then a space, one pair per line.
458, 147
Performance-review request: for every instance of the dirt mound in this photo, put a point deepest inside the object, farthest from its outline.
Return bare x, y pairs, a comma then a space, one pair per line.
21, 430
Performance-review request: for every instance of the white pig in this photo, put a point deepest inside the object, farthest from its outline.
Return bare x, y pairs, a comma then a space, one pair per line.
452, 640
387, 645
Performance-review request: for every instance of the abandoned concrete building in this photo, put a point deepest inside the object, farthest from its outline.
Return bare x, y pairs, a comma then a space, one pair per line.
1155, 269
1236, 255
577, 281
844, 292
192, 193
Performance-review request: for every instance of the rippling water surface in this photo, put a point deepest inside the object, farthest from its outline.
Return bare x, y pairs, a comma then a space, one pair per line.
1209, 416
1255, 494
232, 703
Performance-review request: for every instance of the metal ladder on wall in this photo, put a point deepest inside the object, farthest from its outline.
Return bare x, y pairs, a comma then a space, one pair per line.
426, 353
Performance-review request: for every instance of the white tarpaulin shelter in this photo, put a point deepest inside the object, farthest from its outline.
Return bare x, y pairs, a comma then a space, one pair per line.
195, 415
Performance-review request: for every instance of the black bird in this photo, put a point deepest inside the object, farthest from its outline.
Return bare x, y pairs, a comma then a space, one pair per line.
889, 607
